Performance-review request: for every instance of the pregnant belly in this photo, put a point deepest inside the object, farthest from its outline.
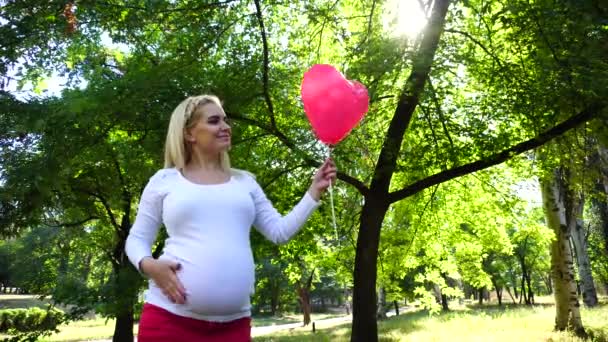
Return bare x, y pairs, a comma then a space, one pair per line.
217, 284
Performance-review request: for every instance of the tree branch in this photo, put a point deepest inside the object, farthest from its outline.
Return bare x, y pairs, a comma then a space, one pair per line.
409, 99
440, 112
72, 224
444, 176
105, 204
258, 13
478, 43
279, 174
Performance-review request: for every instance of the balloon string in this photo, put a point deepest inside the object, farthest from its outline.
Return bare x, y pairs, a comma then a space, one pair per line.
331, 200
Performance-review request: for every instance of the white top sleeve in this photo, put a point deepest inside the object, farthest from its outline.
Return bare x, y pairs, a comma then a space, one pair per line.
276, 228
147, 222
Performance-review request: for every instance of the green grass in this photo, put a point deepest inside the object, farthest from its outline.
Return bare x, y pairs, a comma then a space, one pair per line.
488, 323
87, 330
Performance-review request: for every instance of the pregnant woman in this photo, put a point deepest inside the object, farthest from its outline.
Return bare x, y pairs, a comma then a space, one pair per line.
201, 284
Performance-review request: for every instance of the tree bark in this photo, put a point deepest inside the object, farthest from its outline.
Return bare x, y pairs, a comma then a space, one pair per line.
558, 211
304, 298
579, 240
510, 295
274, 300
548, 283
381, 313
601, 202
127, 280
364, 292
123, 328
498, 290
444, 302
530, 292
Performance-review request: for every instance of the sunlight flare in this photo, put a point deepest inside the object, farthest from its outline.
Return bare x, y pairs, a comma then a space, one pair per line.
404, 18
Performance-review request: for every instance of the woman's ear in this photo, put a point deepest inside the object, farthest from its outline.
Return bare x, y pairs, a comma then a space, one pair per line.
187, 136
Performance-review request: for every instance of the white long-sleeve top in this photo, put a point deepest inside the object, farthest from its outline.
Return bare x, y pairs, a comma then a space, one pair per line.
208, 228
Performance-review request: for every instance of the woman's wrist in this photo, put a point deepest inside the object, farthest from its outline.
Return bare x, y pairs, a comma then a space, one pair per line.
314, 193
144, 265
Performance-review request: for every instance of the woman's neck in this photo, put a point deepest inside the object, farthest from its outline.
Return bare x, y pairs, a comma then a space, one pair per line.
204, 161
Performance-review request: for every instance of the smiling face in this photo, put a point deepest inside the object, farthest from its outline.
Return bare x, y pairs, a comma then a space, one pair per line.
208, 130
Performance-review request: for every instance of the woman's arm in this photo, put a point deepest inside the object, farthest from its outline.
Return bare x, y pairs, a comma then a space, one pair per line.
279, 229
147, 222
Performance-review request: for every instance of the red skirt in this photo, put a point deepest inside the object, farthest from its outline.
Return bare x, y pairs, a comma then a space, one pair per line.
159, 325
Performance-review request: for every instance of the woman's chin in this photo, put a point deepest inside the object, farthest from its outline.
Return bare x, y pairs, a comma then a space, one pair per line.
224, 147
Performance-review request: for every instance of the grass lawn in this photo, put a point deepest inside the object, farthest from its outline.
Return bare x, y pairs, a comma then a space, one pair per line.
487, 323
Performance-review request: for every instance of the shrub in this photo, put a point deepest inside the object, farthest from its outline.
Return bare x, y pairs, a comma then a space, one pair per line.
14, 321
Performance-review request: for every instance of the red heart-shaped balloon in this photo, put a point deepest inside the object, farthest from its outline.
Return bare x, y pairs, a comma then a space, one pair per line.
333, 104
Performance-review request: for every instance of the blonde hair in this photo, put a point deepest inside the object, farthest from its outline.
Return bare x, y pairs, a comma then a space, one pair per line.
185, 115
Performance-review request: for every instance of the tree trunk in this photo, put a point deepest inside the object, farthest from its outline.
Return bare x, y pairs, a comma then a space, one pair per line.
599, 199
274, 298
602, 187
548, 283
381, 313
558, 210
522, 293
579, 240
498, 290
126, 298
510, 295
480, 291
365, 326
396, 308
530, 292
444, 302
86, 270
304, 297
127, 282
377, 200
123, 329
525, 275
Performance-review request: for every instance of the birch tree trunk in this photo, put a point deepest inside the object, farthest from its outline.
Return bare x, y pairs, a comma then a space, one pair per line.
557, 202
579, 240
